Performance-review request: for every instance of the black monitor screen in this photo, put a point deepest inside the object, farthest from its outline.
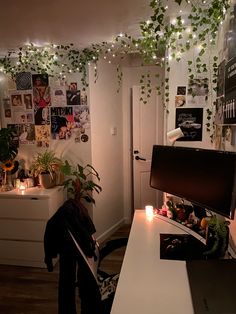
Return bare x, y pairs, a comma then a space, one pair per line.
202, 176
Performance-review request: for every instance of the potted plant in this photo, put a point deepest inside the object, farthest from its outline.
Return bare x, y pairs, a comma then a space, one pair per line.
217, 237
80, 184
8, 152
44, 166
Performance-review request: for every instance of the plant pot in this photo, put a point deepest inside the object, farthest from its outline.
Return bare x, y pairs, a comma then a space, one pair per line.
47, 181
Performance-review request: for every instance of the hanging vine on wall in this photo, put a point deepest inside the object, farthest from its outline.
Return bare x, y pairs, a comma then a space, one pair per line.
162, 38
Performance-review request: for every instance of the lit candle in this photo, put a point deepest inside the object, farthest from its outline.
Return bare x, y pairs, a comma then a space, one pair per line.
149, 211
22, 188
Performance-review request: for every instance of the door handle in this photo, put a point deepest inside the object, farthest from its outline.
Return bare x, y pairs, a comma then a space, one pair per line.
140, 158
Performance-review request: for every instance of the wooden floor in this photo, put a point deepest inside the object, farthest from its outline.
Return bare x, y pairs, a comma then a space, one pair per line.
28, 290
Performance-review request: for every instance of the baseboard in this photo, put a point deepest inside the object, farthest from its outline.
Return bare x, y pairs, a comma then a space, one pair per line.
105, 235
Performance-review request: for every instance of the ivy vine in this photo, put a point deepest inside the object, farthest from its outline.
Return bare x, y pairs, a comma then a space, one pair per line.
162, 39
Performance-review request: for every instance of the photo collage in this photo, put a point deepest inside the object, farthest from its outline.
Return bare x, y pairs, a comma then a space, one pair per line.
39, 112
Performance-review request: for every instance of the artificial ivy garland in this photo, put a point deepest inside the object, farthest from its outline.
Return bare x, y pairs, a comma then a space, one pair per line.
158, 35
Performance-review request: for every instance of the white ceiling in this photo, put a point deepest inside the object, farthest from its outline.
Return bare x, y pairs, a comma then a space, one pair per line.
68, 21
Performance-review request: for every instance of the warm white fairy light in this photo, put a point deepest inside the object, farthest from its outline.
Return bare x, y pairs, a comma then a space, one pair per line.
113, 55
88, 63
109, 61
104, 57
188, 30
199, 47
179, 54
166, 7
154, 57
194, 35
121, 34
148, 22
173, 22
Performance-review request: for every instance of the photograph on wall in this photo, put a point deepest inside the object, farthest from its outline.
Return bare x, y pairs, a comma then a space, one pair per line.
7, 107
58, 96
23, 80
83, 98
15, 130
197, 92
19, 117
73, 86
81, 117
230, 76
190, 121
62, 122
218, 136
29, 117
26, 133
180, 100
219, 112
28, 99
16, 99
42, 135
41, 91
181, 90
42, 116
221, 80
226, 137
73, 97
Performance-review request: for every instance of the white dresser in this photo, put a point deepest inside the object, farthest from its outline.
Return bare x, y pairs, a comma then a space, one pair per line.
23, 217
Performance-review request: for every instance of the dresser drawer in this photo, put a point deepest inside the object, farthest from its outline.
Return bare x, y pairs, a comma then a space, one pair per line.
22, 230
24, 208
22, 253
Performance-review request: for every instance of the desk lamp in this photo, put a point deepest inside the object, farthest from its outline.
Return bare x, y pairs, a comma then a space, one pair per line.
173, 135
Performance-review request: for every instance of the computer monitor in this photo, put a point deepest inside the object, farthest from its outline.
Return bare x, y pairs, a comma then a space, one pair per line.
205, 177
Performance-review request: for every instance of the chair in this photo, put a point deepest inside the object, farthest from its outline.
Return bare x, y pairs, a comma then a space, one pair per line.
96, 287
68, 234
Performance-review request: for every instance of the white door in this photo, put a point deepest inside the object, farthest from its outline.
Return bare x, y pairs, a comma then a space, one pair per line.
147, 128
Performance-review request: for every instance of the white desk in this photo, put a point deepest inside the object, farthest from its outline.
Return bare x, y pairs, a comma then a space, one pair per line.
147, 284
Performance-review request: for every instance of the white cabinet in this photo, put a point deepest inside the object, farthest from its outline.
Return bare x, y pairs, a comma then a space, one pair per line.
23, 218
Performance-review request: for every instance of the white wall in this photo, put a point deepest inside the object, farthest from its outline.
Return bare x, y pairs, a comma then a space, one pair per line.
107, 150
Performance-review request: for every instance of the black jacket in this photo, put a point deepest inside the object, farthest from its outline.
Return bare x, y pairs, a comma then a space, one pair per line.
72, 216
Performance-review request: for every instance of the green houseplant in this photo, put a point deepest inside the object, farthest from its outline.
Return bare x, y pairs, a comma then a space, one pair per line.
45, 166
79, 183
217, 237
8, 152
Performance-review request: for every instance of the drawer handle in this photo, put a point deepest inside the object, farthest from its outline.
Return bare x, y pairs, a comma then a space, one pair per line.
34, 198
